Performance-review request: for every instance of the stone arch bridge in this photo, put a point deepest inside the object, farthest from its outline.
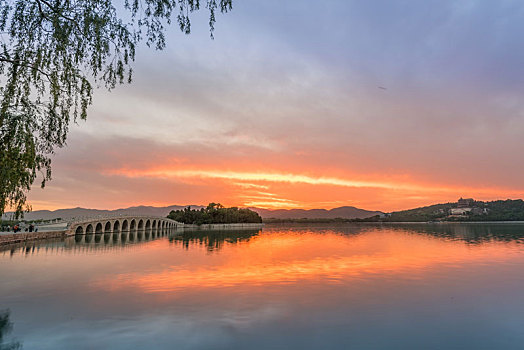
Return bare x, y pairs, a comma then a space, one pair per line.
122, 224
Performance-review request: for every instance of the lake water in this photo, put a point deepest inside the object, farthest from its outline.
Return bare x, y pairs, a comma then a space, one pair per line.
284, 287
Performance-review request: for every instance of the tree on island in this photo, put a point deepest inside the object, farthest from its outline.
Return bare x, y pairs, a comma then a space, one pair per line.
215, 213
52, 54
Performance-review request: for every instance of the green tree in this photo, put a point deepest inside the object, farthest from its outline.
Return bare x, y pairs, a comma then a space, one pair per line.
52, 54
215, 213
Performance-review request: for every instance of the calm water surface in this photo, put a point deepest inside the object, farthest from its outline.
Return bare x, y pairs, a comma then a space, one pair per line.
284, 287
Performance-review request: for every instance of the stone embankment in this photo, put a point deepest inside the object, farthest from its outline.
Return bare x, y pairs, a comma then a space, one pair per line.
224, 226
13, 238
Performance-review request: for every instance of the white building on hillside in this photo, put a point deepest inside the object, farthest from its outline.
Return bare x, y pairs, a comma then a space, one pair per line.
459, 211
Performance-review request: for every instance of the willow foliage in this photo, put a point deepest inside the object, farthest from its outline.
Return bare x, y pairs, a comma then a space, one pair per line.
52, 53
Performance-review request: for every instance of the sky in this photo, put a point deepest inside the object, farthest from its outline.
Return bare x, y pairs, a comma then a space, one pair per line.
383, 105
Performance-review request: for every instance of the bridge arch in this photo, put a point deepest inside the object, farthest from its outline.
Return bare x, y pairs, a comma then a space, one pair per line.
107, 225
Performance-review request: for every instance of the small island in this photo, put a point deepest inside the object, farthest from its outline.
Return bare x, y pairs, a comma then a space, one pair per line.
215, 213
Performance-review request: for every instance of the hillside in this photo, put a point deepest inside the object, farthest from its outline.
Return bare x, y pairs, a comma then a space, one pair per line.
429, 213
500, 210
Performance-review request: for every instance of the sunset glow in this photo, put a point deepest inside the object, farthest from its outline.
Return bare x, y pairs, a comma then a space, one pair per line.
260, 116
299, 259
295, 190
248, 174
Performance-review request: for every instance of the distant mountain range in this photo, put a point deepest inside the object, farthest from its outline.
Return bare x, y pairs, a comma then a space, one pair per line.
341, 212
66, 214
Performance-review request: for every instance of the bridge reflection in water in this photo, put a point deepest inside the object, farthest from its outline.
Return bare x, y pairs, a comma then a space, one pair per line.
212, 240
117, 238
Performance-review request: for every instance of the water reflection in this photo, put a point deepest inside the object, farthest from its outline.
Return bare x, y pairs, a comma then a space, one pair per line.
5, 328
281, 256
213, 240
467, 233
473, 233
284, 287
108, 241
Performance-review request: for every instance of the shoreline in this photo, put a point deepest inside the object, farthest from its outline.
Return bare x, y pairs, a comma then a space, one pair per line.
7, 238
393, 222
23, 237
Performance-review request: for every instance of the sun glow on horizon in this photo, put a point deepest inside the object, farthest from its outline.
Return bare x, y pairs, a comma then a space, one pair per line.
191, 184
290, 190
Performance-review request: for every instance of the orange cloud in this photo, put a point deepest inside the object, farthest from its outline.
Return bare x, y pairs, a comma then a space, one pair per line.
139, 172
298, 190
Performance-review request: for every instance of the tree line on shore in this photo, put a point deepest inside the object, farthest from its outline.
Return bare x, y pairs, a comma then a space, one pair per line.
500, 210
215, 213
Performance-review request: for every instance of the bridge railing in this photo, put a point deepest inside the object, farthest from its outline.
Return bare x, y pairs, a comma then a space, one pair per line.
101, 219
